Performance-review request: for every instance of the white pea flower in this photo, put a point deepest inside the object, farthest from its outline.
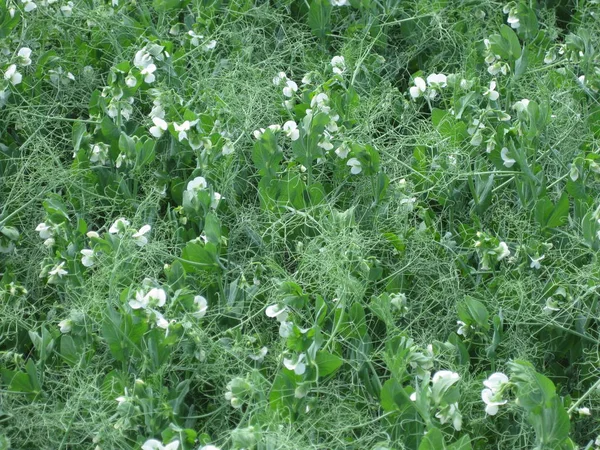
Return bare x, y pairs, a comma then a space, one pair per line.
148, 73
157, 110
119, 226
160, 126
197, 184
28, 5
65, 325
140, 235
210, 45
492, 93
92, 234
156, 297
295, 364
195, 38
450, 413
321, 102
325, 144
413, 397
58, 270
491, 402
355, 166
99, 153
49, 242
521, 105
45, 230
307, 78
437, 80
182, 129
290, 88
419, 88
463, 328
142, 59
290, 128
286, 329
153, 444
88, 257
260, 356
502, 251
228, 148
550, 56
130, 81
24, 55
513, 20
495, 381
279, 78
535, 262
508, 161
215, 199
342, 151
201, 306
67, 10
338, 64
11, 74
551, 306
585, 411
209, 447
278, 312
340, 3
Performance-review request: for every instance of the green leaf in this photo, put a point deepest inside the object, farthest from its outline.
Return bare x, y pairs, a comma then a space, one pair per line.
511, 38
464, 443
79, 130
560, 213
212, 228
319, 17
433, 440
197, 256
110, 131
327, 363
476, 311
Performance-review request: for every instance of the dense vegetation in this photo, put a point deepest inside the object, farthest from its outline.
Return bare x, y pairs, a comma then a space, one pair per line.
299, 224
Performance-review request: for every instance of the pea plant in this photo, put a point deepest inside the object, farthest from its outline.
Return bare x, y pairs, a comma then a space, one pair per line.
328, 224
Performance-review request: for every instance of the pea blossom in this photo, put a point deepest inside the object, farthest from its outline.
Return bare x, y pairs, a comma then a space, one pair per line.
419, 88
277, 311
65, 325
88, 257
491, 93
355, 166
290, 88
197, 184
44, 230
24, 55
201, 306
119, 226
508, 161
295, 364
28, 5
153, 444
156, 297
58, 270
11, 74
182, 129
140, 235
492, 394
290, 128
535, 262
160, 126
338, 64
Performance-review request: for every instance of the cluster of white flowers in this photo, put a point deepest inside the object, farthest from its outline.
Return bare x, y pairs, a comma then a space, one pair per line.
494, 61
200, 184
195, 40
121, 226
441, 381
149, 301
512, 10
12, 74
492, 393
435, 82
145, 64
